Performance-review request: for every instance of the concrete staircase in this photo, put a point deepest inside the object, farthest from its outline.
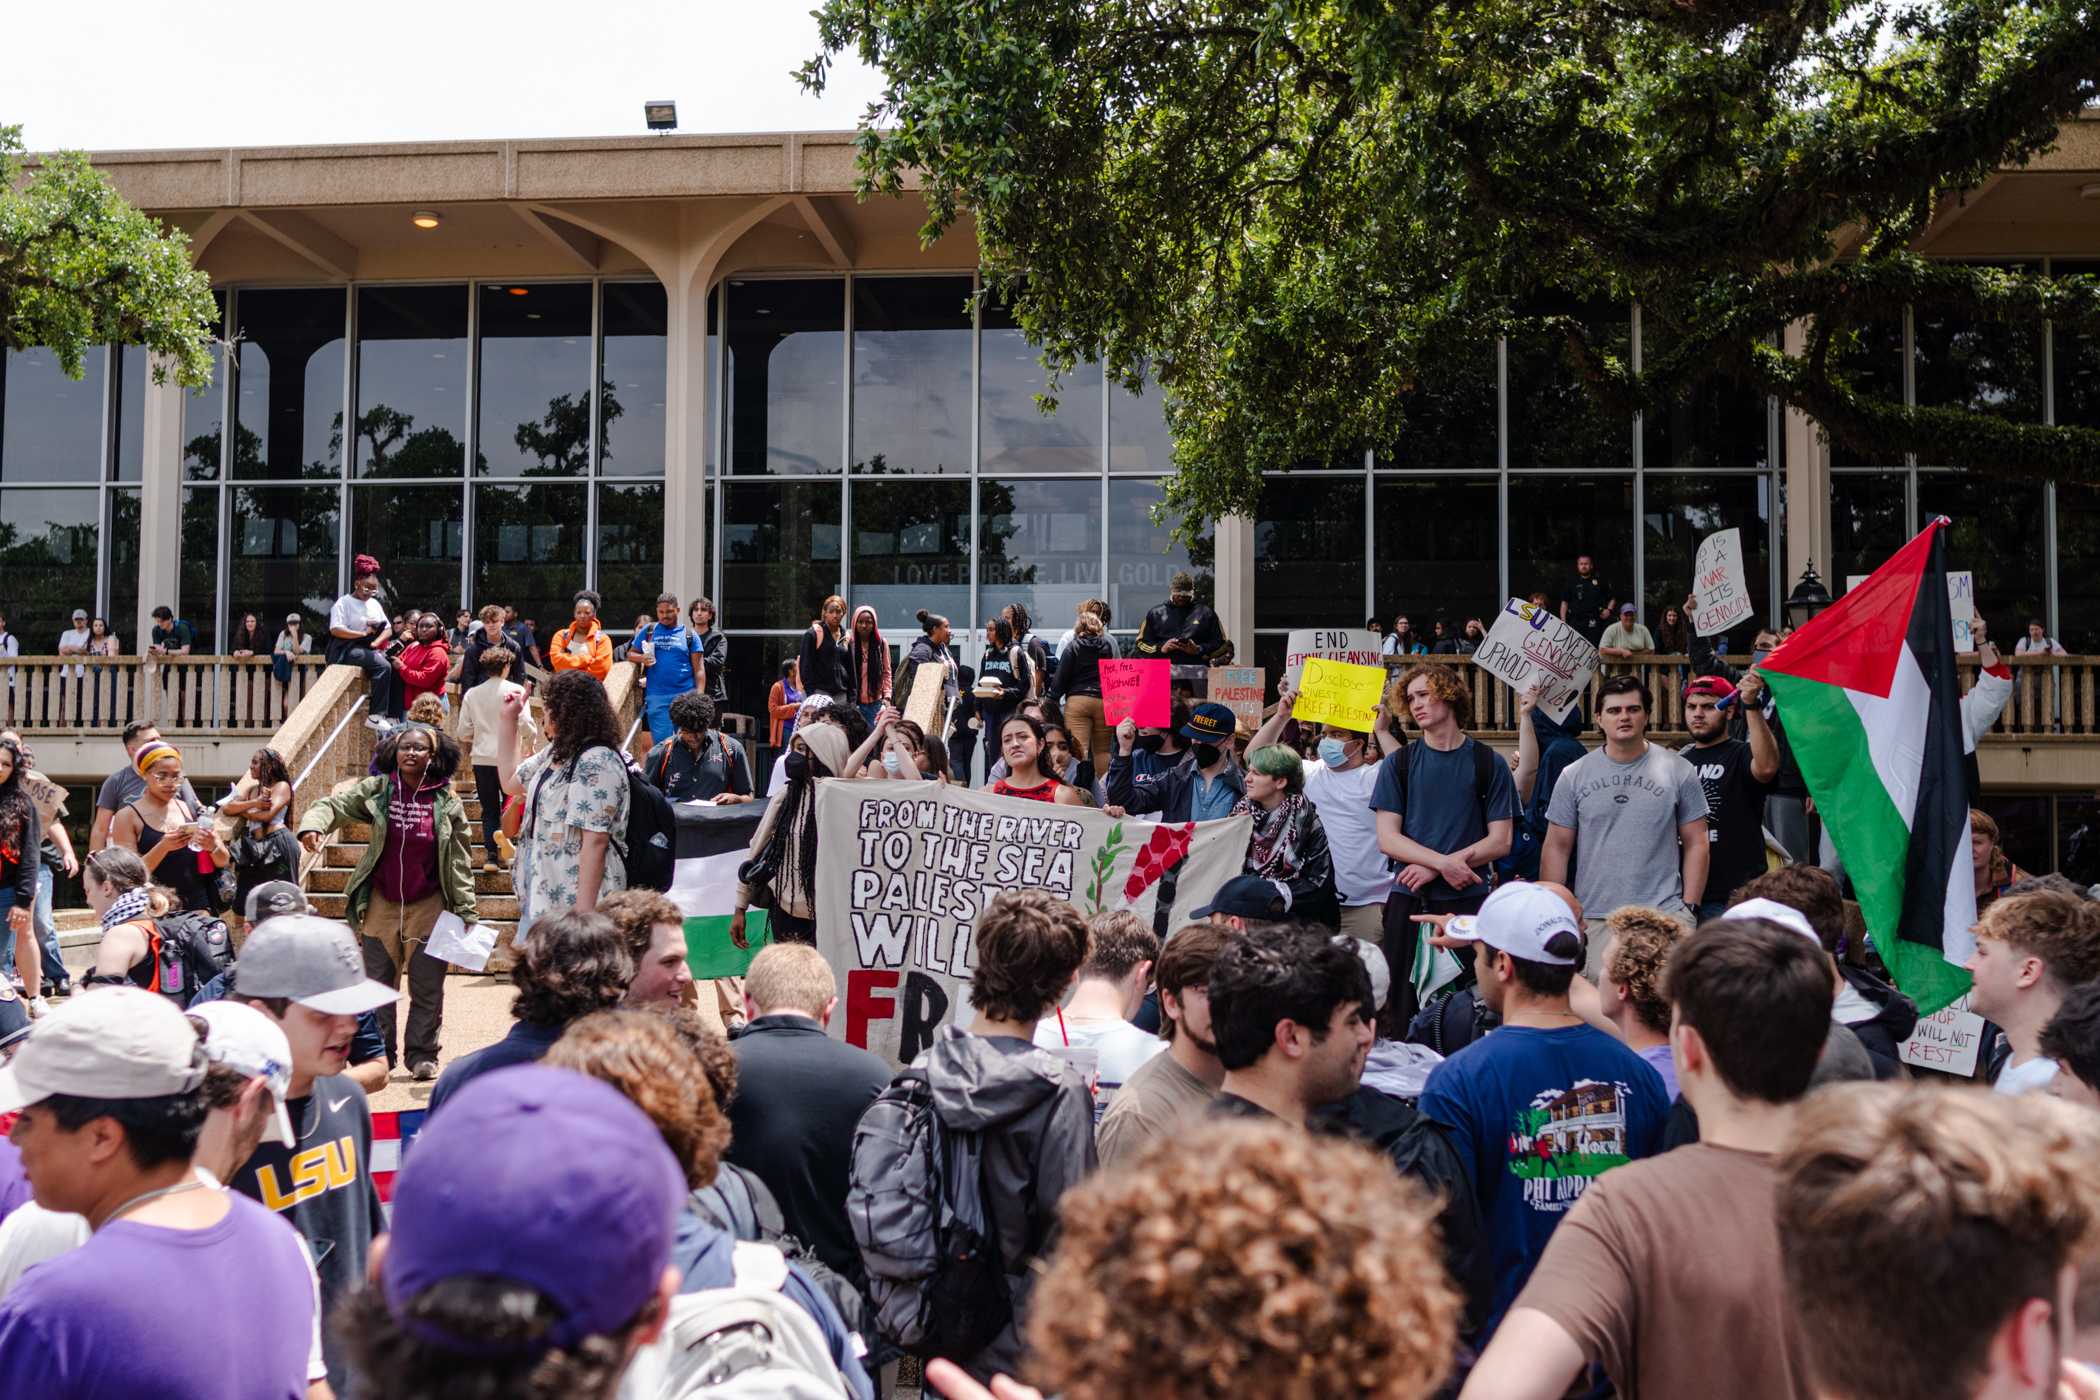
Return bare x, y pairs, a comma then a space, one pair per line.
495, 897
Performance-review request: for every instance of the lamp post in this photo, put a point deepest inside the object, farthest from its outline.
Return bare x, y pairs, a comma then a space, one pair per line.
1808, 598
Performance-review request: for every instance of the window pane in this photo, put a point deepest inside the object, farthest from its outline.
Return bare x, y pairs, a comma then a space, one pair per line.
1142, 556
636, 329
535, 380
1719, 423
1309, 553
1554, 519
2078, 576
203, 411
631, 546
415, 532
1014, 434
528, 554
1436, 557
1555, 420
911, 375
1452, 413
47, 563
411, 381
51, 426
1039, 545
1868, 523
284, 555
1138, 440
1983, 366
290, 387
123, 612
785, 376
198, 583
1871, 359
133, 370
1680, 511
1996, 534
911, 550
2076, 357
780, 552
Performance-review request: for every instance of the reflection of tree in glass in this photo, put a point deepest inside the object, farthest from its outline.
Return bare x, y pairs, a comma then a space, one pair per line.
40, 579
562, 438
995, 503
393, 449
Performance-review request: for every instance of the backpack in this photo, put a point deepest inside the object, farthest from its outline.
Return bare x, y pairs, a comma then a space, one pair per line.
740, 1206
747, 1340
916, 1202
649, 846
189, 948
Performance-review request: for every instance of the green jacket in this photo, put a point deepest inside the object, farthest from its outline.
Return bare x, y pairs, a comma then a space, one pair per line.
367, 802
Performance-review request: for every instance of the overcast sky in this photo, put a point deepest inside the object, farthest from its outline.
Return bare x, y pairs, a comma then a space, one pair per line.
129, 74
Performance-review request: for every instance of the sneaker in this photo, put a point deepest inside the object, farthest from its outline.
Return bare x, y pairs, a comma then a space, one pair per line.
38, 1006
489, 866
424, 1071
376, 722
508, 847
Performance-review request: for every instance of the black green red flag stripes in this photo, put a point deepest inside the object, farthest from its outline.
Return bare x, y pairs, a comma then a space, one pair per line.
712, 843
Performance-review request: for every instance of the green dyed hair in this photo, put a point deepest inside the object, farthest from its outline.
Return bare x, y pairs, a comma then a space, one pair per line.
1276, 761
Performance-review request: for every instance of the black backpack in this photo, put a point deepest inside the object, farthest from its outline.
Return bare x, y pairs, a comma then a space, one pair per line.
649, 847
191, 948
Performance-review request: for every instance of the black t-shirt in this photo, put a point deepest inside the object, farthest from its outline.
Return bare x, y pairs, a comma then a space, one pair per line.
324, 1187
720, 766
1735, 814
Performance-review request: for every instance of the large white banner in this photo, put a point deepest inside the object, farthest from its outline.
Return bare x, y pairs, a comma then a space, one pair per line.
904, 870
1722, 595
1529, 646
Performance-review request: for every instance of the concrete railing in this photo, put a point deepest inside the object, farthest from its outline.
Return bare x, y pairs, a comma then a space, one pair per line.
99, 695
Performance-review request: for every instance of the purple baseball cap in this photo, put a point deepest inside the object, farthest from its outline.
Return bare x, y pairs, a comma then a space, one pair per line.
543, 1177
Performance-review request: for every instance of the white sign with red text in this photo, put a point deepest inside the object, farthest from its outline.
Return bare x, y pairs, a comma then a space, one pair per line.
1721, 595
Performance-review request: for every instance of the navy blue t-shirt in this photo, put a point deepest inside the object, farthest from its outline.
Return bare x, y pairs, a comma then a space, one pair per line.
1535, 1115
1443, 810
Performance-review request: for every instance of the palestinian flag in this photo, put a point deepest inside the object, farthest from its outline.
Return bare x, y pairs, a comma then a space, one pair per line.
712, 843
1873, 711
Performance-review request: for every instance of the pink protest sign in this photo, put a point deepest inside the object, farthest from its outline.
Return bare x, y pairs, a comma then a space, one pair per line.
1136, 690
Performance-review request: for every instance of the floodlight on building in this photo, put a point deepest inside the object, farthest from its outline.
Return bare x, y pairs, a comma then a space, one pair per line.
519, 291
661, 116
425, 219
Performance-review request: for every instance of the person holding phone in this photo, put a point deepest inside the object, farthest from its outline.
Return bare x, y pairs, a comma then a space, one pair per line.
181, 847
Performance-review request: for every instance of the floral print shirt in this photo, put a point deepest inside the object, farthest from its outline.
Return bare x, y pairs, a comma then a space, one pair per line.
587, 795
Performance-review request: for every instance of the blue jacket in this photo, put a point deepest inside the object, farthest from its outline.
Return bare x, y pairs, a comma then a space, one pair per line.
1170, 794
702, 1255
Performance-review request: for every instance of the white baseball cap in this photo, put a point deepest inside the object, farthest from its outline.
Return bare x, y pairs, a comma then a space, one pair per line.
252, 1046
310, 960
1773, 912
1521, 920
107, 1043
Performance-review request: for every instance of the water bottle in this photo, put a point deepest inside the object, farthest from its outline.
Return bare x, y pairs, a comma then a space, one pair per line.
204, 819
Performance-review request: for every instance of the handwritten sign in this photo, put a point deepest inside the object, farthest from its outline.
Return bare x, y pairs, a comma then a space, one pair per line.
1946, 1041
1243, 689
929, 687
1350, 644
1722, 596
1961, 604
1339, 693
1136, 690
1529, 646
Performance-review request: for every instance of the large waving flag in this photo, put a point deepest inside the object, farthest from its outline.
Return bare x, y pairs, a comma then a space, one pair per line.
1873, 711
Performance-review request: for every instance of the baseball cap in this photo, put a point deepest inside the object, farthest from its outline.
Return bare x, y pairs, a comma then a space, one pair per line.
1247, 896
252, 1046
1211, 722
274, 898
1773, 912
1521, 920
292, 617
1625, 608
1720, 687
80, 614
310, 960
109, 1043
1375, 965
543, 1177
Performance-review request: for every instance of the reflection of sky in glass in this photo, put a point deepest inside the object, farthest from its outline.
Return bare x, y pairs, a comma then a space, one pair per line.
412, 360
1015, 434
51, 426
536, 367
911, 551
296, 336
911, 374
783, 376
1143, 556
635, 321
132, 372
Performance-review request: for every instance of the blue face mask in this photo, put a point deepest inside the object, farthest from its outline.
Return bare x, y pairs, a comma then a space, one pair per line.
1333, 752
892, 764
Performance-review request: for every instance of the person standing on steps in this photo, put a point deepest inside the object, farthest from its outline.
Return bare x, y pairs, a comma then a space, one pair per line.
576, 799
583, 645
674, 663
178, 843
714, 650
480, 712
824, 652
415, 867
867, 665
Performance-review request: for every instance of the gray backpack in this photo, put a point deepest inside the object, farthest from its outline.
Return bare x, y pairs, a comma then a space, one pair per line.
916, 1203
751, 1340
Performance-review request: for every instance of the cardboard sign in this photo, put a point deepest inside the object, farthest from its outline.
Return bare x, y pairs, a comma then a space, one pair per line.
929, 686
1529, 646
906, 874
1961, 604
1244, 689
1137, 690
1338, 693
1350, 644
1721, 595
1946, 1041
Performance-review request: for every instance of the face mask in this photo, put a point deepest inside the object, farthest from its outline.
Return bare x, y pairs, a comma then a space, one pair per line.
1206, 754
1333, 752
1150, 743
892, 764
797, 766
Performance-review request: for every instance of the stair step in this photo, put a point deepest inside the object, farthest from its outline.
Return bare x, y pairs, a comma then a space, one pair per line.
499, 912
344, 856
335, 879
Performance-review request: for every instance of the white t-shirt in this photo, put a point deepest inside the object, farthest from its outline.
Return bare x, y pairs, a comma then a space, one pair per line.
2027, 1077
354, 614
1121, 1046
1362, 875
76, 639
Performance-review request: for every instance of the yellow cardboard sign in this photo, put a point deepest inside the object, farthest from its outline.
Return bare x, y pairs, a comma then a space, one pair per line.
1339, 693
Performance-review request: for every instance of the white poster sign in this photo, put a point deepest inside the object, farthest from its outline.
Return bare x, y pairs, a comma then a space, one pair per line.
1946, 1041
1961, 604
907, 868
1529, 646
1351, 644
1722, 595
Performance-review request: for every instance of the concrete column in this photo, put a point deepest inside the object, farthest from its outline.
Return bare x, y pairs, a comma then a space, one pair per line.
1806, 460
1234, 546
687, 385
160, 507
